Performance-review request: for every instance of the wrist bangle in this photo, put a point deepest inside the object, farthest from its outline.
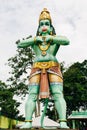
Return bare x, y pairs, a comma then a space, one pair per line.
34, 39
28, 120
62, 120
51, 40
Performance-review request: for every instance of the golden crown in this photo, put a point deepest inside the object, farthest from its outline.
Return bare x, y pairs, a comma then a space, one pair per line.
45, 14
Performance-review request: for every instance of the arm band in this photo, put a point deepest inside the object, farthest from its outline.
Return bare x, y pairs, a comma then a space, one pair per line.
35, 40
62, 120
28, 120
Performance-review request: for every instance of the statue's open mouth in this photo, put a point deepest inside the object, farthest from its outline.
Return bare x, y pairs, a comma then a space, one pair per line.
44, 29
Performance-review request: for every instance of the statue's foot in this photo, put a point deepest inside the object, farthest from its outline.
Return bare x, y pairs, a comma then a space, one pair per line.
63, 125
26, 125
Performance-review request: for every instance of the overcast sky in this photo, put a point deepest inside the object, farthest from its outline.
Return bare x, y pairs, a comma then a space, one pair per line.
19, 18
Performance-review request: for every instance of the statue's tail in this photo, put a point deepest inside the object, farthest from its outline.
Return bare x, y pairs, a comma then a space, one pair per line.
43, 115
44, 111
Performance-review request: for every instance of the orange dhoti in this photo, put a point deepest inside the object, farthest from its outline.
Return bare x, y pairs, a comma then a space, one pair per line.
43, 74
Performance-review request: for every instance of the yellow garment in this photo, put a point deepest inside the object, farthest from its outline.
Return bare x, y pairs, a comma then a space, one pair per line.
45, 65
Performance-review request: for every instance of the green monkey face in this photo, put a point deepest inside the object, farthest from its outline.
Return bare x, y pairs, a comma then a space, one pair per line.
44, 27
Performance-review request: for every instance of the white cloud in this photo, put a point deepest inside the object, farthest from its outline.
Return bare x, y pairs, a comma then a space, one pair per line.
19, 18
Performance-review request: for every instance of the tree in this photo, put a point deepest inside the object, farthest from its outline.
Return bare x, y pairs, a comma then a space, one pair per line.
75, 86
20, 64
7, 103
75, 89
17, 82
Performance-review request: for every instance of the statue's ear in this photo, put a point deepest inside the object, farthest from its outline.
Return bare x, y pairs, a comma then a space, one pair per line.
51, 30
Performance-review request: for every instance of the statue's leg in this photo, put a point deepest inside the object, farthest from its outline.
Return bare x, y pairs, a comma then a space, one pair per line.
31, 101
60, 104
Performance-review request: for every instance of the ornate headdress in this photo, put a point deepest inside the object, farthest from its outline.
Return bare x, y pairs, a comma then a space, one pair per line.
45, 14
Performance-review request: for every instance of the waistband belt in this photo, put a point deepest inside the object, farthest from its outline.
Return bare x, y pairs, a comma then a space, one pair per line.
45, 65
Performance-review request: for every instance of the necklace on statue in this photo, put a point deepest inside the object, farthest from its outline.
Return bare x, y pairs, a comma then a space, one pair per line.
44, 46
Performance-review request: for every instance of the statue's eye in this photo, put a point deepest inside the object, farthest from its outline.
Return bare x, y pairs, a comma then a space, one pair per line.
47, 23
41, 24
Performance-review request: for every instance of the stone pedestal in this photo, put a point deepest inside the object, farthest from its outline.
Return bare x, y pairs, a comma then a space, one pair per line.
41, 129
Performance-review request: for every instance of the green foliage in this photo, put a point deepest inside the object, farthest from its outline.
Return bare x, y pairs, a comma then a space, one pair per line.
75, 86
20, 65
17, 82
51, 111
75, 89
7, 103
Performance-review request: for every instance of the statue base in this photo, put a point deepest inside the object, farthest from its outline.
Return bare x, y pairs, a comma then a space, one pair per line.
43, 129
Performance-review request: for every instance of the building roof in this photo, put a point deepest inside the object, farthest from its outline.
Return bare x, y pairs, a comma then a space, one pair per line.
47, 122
78, 115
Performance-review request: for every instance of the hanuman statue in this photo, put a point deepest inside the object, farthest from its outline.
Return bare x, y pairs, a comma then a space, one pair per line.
45, 78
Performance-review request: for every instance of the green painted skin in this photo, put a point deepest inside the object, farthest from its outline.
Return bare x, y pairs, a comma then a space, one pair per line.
55, 41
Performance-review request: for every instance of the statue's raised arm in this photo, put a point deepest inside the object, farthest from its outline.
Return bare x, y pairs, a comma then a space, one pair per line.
29, 42
25, 43
60, 40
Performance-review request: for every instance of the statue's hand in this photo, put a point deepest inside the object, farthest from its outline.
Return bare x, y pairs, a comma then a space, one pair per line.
38, 39
49, 38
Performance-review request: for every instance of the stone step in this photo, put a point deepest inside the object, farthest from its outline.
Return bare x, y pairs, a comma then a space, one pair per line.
41, 129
